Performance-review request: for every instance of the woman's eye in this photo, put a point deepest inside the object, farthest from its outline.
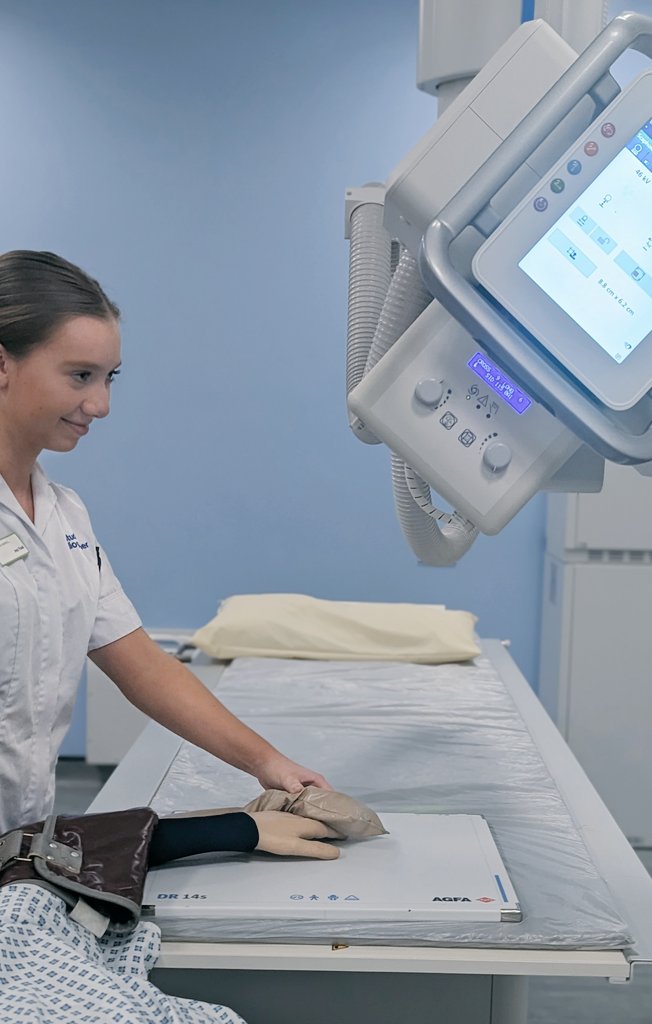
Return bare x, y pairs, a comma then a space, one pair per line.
82, 375
112, 376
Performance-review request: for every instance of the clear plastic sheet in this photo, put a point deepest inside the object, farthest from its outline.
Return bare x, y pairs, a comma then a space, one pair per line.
444, 738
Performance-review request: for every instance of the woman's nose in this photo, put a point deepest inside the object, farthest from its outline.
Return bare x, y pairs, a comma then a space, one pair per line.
98, 403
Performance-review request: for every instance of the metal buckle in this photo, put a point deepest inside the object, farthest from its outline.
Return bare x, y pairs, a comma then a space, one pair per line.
30, 855
27, 846
12, 846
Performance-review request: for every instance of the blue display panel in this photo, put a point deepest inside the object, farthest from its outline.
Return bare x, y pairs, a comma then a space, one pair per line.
499, 382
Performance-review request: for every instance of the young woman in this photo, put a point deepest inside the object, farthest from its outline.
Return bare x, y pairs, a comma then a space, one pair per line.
59, 597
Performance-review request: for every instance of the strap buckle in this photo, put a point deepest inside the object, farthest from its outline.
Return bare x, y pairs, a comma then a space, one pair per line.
30, 855
11, 847
41, 845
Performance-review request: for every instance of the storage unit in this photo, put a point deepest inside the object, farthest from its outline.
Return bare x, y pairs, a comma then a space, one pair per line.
112, 723
595, 667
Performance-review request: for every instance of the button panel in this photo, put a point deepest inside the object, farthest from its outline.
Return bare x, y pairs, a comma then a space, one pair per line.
446, 446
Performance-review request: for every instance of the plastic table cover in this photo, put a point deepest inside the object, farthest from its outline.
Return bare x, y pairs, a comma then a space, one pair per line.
419, 738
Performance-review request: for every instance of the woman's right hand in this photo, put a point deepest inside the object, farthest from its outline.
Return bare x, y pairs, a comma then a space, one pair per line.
290, 835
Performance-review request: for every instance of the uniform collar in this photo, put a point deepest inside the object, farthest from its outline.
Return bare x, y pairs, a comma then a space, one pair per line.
44, 500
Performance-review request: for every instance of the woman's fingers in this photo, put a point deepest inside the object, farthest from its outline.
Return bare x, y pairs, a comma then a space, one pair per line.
278, 772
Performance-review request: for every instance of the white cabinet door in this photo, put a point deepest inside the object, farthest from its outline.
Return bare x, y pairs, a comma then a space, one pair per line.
604, 698
112, 723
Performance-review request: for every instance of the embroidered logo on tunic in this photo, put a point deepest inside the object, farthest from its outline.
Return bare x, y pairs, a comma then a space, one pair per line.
74, 543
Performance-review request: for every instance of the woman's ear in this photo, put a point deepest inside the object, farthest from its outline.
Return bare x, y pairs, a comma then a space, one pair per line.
4, 366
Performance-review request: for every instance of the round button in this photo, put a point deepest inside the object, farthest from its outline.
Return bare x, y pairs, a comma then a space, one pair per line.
557, 185
608, 129
540, 204
497, 456
429, 391
573, 166
591, 148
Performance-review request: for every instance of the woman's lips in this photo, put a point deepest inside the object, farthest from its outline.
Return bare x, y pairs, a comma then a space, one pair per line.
79, 428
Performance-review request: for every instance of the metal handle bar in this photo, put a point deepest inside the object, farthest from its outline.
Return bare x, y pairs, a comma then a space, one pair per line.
577, 410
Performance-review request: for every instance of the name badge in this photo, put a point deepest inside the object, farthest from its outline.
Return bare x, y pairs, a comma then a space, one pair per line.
12, 549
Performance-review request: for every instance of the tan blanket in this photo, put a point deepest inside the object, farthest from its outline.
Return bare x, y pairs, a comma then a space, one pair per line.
298, 626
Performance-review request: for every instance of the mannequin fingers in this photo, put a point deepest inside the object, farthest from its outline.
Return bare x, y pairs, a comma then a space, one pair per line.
316, 850
293, 836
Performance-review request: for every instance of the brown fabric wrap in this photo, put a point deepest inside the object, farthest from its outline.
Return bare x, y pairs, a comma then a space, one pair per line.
347, 816
114, 851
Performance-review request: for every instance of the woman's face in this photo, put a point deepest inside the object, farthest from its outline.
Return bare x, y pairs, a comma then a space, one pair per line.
50, 397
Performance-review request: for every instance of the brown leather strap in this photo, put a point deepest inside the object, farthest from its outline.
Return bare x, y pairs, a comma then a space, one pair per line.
101, 858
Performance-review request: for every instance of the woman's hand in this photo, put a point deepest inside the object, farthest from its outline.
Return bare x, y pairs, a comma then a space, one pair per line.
278, 772
164, 689
290, 835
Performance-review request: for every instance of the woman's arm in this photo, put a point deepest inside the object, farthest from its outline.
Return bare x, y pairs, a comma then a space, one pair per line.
168, 692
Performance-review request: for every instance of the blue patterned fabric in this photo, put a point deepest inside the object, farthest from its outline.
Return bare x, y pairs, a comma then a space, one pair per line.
53, 970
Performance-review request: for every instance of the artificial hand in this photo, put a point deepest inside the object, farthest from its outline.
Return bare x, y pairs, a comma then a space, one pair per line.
290, 835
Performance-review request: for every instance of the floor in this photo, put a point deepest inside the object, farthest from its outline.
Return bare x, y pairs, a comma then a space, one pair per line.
552, 1001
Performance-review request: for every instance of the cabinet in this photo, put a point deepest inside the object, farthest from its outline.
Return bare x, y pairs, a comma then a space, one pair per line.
112, 723
595, 676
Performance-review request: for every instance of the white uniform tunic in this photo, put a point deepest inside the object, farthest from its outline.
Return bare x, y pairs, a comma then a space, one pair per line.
56, 604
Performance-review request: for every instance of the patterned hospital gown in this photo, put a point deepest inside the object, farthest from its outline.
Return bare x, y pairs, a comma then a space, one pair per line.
53, 971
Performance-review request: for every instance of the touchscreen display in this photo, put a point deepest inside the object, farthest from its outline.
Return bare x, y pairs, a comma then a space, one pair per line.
595, 262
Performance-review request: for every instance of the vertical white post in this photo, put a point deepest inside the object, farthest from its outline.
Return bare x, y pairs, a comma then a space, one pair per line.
448, 51
578, 22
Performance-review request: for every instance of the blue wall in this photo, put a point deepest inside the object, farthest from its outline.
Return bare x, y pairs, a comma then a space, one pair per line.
193, 156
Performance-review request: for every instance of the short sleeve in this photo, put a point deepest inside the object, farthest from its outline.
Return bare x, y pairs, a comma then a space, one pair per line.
116, 615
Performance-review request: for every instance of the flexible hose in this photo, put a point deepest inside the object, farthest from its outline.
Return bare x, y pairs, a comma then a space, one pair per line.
396, 254
407, 297
386, 296
437, 538
369, 278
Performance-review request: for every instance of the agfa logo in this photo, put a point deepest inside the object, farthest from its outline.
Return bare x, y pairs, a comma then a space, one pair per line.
451, 899
462, 899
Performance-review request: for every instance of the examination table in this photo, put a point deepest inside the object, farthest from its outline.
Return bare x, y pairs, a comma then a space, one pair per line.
464, 738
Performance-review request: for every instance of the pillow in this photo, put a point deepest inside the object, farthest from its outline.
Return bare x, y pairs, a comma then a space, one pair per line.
297, 626
347, 816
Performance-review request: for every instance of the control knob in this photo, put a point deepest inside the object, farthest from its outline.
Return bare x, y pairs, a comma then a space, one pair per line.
429, 391
497, 456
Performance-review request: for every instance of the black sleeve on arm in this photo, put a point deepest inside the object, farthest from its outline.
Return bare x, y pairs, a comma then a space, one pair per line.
183, 837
